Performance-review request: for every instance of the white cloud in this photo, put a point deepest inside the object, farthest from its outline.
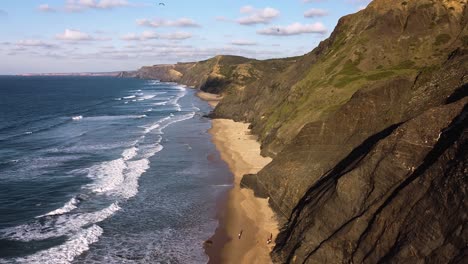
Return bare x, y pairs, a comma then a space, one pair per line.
177, 36
243, 42
294, 29
46, 8
247, 9
80, 5
74, 35
257, 16
182, 22
315, 12
149, 35
34, 43
222, 18
146, 35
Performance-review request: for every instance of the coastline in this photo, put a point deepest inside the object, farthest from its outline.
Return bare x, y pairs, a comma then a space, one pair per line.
240, 209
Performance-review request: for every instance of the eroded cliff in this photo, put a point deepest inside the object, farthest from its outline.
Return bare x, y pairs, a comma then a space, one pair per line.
367, 133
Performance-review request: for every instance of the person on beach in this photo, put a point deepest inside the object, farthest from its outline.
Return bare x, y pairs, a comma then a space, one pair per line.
270, 238
240, 234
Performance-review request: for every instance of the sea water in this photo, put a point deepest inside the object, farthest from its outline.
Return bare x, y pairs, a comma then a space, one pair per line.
102, 169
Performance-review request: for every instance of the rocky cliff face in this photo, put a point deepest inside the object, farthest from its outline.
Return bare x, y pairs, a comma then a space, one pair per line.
383, 178
367, 133
389, 39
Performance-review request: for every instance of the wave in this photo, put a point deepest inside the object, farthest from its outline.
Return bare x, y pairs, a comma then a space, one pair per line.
76, 118
120, 177
68, 207
147, 97
222, 185
130, 153
195, 108
57, 225
177, 119
110, 117
155, 125
116, 179
68, 251
129, 97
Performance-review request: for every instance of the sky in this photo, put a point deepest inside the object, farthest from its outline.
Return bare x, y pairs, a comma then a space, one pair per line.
56, 36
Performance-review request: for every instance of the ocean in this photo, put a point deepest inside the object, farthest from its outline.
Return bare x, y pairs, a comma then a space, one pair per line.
106, 170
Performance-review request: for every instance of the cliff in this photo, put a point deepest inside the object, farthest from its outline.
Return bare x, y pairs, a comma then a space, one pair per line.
367, 134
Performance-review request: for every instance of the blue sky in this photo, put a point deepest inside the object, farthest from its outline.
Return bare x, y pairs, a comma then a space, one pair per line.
114, 35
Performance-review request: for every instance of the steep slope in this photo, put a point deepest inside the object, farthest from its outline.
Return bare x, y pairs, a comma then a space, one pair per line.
389, 39
221, 74
379, 176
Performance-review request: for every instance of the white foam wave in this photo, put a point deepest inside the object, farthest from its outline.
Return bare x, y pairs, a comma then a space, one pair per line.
56, 226
155, 125
195, 108
129, 186
223, 185
147, 97
176, 120
175, 101
107, 175
181, 87
28, 133
120, 177
130, 153
68, 251
129, 97
151, 128
151, 151
76, 118
148, 110
160, 103
111, 118
69, 206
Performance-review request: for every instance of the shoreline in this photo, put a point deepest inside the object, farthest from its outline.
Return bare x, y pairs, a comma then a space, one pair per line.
239, 209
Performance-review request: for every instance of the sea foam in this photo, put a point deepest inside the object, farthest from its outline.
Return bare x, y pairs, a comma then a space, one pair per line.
69, 206
68, 251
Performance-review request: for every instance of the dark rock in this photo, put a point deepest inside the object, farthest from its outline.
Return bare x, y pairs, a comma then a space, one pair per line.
402, 200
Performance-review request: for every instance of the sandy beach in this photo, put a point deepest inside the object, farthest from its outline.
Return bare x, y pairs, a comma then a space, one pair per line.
242, 211
212, 99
